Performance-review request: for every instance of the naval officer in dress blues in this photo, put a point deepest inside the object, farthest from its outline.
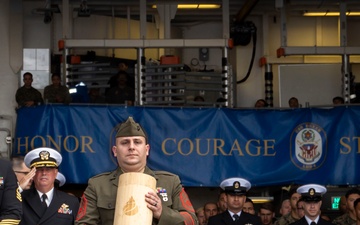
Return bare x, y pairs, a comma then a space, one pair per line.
311, 194
235, 190
45, 204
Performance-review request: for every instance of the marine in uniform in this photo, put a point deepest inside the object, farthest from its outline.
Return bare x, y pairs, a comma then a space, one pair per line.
55, 92
236, 190
170, 205
293, 215
10, 198
348, 218
27, 95
311, 194
45, 204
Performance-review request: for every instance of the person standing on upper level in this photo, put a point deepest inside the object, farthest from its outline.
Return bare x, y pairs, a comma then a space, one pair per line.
27, 95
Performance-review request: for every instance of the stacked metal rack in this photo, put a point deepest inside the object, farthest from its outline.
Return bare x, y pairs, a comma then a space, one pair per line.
172, 85
88, 73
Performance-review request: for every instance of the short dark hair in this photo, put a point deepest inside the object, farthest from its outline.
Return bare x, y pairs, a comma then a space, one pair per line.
249, 200
56, 75
28, 73
338, 98
293, 190
352, 191
268, 206
293, 98
263, 101
210, 203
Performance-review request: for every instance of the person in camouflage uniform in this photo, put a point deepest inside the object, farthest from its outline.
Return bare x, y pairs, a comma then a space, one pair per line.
56, 93
357, 211
27, 95
348, 218
293, 215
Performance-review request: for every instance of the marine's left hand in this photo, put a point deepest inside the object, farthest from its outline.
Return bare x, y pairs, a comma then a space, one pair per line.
154, 204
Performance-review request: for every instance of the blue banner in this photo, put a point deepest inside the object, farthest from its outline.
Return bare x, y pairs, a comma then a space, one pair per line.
204, 145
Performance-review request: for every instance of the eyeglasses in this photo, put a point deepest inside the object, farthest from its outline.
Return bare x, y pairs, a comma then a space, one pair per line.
23, 172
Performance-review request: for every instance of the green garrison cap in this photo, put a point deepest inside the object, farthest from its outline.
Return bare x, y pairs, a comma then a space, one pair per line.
130, 128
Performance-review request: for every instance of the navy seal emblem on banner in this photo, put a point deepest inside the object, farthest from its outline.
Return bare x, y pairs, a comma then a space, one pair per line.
308, 146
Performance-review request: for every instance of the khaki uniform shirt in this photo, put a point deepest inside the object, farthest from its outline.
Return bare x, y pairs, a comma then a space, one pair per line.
98, 202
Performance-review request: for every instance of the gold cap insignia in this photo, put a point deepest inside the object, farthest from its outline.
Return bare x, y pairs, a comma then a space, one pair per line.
44, 155
236, 184
311, 191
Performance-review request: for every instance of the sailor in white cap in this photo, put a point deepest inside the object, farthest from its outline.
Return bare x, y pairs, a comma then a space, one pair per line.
236, 189
312, 194
60, 180
45, 204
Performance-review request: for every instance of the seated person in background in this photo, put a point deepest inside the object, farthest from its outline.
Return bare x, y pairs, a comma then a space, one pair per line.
261, 103
27, 95
55, 92
293, 102
338, 100
122, 92
94, 94
113, 81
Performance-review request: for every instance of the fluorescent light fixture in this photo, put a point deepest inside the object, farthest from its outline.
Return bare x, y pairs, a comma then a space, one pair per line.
209, 6
258, 200
195, 6
328, 13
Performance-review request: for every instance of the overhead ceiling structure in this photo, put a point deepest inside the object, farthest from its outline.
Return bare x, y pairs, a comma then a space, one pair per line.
121, 8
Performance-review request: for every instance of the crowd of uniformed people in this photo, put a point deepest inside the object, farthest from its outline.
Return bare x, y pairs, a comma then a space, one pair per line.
33, 195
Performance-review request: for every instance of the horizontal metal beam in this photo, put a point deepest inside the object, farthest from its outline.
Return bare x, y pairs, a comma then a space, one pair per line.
329, 50
149, 43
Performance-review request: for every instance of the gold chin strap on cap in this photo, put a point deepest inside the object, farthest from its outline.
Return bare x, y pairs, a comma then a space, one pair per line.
44, 164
